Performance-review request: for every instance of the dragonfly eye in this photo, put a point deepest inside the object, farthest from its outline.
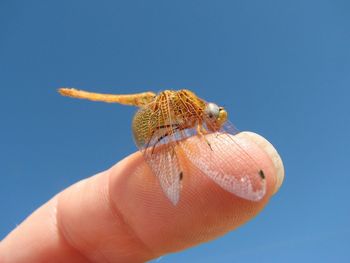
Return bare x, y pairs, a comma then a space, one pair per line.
212, 111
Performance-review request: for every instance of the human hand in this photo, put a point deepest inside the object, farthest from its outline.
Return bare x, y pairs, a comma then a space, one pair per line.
122, 215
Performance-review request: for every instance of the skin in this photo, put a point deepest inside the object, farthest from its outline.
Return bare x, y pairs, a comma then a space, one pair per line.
122, 215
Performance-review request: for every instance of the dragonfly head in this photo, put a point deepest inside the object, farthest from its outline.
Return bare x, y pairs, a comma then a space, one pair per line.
214, 116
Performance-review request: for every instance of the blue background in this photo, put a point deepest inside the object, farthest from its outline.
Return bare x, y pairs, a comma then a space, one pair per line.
281, 68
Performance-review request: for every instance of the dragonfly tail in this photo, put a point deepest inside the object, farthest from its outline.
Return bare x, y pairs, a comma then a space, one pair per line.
138, 99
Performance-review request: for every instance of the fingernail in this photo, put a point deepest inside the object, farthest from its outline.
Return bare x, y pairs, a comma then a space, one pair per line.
268, 148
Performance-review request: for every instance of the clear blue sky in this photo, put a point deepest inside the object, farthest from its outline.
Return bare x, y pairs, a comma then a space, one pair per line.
281, 68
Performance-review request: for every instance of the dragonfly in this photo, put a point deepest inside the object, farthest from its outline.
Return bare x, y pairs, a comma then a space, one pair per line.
162, 126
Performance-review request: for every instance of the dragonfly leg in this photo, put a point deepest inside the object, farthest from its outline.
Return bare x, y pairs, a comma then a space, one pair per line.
159, 139
201, 131
175, 126
162, 137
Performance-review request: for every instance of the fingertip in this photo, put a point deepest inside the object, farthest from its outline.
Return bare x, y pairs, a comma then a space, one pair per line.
204, 211
271, 152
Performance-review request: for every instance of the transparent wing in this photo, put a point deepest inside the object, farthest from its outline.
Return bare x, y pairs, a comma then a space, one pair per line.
158, 137
213, 155
165, 164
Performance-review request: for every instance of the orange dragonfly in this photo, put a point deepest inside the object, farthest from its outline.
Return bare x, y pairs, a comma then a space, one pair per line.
161, 126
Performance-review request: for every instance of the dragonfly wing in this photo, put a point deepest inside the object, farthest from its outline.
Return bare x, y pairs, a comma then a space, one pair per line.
165, 165
240, 176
